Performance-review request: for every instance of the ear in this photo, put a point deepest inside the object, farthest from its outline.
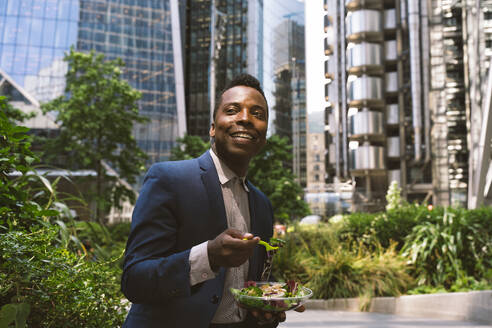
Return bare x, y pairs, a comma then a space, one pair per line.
211, 133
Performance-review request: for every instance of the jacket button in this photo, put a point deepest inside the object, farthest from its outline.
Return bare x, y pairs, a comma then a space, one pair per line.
214, 299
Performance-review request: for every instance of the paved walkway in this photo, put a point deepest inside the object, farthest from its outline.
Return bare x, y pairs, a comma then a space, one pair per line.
321, 318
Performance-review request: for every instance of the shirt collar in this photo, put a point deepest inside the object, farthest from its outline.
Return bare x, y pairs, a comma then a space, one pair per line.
225, 174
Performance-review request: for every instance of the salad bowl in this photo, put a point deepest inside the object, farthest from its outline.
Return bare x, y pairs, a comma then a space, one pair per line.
271, 296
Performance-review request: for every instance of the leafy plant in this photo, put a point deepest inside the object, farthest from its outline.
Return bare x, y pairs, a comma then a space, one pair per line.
188, 147
450, 245
96, 115
393, 196
383, 228
25, 198
316, 257
59, 286
268, 172
46, 277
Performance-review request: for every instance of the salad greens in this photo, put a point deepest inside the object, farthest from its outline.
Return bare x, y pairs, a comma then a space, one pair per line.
272, 296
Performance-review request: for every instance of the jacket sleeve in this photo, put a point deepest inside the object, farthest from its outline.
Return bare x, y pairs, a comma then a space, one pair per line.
153, 272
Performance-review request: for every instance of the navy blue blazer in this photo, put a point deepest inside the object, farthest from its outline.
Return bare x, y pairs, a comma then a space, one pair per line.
180, 205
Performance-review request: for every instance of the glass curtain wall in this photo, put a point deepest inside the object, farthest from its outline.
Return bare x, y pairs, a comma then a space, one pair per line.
284, 77
35, 34
140, 33
238, 45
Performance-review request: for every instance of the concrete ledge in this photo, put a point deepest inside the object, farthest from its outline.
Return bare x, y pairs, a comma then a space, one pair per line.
469, 306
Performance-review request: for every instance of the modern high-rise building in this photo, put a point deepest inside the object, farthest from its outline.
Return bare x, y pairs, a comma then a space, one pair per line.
285, 77
263, 38
36, 34
222, 39
405, 98
290, 90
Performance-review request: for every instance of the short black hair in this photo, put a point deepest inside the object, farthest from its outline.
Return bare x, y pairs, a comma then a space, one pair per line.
246, 80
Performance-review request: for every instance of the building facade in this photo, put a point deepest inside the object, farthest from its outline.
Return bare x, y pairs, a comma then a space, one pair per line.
145, 34
222, 39
290, 91
400, 109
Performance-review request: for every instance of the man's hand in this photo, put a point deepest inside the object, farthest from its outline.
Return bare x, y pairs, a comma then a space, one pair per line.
272, 317
229, 249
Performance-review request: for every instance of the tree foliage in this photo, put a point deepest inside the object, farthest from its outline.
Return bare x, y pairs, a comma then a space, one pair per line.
56, 287
268, 173
188, 147
96, 117
45, 278
23, 197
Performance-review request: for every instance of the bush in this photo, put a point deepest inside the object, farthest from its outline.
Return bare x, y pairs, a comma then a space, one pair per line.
451, 247
20, 196
383, 228
333, 269
61, 288
46, 276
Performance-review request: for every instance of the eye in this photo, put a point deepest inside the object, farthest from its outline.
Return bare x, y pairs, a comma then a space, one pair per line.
230, 110
259, 113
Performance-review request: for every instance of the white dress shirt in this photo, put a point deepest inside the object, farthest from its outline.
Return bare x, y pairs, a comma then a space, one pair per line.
236, 203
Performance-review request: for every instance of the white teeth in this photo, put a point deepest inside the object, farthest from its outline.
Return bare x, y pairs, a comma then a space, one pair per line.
242, 135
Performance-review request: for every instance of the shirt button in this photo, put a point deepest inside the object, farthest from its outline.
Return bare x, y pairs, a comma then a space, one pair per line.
204, 275
214, 299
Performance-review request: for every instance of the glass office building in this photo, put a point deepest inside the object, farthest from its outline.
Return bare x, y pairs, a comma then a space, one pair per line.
236, 29
145, 34
284, 77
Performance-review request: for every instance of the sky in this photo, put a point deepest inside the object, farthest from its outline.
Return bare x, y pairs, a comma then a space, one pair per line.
314, 32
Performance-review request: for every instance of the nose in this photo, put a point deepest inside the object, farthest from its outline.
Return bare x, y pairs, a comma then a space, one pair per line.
243, 116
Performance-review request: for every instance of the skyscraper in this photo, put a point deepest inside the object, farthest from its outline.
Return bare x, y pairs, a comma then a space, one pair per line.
262, 38
285, 77
400, 109
145, 34
222, 39
290, 90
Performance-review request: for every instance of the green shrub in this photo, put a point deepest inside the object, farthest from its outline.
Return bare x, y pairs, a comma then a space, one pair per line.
332, 269
103, 242
21, 201
381, 228
302, 242
341, 273
477, 260
45, 275
61, 288
450, 245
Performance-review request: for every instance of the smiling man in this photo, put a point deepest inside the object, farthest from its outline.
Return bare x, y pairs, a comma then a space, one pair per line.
197, 223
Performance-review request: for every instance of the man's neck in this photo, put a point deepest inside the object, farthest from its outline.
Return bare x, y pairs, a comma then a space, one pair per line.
238, 166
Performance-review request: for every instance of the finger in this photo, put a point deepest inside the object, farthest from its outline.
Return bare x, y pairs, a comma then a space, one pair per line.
300, 309
281, 317
255, 314
234, 233
247, 236
267, 316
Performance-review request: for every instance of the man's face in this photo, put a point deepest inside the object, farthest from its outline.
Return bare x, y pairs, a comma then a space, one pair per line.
240, 124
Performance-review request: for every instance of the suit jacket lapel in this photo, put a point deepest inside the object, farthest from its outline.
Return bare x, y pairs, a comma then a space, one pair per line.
210, 179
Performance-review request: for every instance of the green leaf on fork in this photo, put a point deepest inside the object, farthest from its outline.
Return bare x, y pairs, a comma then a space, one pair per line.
267, 245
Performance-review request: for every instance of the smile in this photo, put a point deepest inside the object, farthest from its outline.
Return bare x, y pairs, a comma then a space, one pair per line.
242, 135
